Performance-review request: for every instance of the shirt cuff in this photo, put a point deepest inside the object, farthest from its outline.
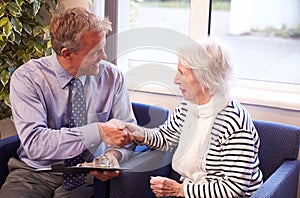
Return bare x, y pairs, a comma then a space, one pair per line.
90, 135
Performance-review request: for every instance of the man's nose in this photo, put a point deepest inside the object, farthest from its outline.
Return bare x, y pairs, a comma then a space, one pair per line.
102, 56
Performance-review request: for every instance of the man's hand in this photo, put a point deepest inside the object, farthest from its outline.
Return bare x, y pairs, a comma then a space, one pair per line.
107, 175
162, 187
104, 175
114, 134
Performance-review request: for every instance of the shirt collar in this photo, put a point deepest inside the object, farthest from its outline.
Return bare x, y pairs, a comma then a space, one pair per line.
62, 75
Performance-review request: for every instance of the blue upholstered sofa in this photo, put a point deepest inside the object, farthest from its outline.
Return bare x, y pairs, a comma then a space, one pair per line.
278, 156
278, 161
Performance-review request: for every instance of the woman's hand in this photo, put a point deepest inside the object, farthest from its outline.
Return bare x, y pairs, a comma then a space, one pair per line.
133, 131
136, 131
162, 187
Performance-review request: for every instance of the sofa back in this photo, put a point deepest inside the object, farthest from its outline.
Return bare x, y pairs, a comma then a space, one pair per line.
278, 142
149, 115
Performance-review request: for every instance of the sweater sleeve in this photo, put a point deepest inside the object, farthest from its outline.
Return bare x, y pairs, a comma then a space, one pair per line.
166, 136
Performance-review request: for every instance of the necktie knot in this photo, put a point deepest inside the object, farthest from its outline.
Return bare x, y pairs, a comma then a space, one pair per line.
77, 86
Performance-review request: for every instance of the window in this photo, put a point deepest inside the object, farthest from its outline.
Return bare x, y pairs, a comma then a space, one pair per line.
264, 39
262, 36
265, 44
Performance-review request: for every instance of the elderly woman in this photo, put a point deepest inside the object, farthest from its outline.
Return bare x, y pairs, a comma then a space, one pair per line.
215, 139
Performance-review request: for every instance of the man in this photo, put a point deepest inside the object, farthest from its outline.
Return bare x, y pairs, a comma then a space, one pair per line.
50, 127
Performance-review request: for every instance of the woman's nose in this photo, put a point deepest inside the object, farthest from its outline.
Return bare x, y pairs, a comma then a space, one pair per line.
176, 79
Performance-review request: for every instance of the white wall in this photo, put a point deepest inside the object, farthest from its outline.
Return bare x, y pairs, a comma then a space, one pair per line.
74, 3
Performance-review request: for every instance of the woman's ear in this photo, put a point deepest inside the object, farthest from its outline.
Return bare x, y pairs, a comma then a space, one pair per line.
66, 53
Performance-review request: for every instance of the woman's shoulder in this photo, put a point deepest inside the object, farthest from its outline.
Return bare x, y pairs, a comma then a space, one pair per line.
179, 113
181, 108
235, 110
234, 118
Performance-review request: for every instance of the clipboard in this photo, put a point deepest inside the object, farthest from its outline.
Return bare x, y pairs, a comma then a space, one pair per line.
60, 168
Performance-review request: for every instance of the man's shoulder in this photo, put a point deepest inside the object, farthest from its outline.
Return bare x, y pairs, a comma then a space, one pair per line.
109, 67
107, 64
32, 65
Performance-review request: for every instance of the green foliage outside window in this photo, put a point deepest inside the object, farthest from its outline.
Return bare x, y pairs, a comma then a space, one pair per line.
24, 34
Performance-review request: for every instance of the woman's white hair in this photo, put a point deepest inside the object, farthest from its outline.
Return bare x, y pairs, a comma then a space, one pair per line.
210, 62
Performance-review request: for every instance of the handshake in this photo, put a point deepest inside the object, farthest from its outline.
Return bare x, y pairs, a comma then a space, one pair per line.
116, 133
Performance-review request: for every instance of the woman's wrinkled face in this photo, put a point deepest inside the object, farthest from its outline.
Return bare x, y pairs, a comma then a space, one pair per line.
189, 85
90, 53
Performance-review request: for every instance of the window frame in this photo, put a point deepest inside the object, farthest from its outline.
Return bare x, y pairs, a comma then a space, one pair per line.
269, 94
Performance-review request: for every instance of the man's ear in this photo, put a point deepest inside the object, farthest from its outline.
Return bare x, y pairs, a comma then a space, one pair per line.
66, 53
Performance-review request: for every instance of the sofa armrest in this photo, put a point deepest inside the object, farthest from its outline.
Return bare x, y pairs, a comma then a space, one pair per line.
282, 183
8, 148
147, 160
135, 182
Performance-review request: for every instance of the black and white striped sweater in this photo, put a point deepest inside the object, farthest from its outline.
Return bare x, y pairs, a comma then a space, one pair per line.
232, 160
